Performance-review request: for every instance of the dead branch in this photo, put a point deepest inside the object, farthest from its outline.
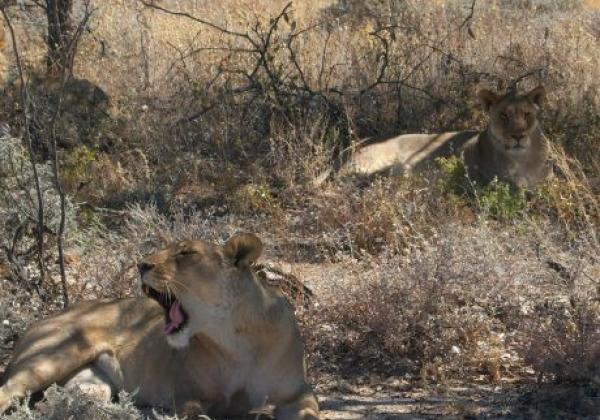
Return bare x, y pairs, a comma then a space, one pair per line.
469, 16
196, 19
25, 103
66, 71
58, 14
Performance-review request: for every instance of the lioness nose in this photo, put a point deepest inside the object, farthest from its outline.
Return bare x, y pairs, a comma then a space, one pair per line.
519, 137
144, 267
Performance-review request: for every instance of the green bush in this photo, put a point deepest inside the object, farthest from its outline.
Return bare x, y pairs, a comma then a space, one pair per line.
496, 199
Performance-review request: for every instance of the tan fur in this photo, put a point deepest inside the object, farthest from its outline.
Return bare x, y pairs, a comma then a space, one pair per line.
240, 347
512, 148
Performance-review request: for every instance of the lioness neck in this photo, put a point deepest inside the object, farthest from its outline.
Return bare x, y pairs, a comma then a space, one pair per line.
251, 321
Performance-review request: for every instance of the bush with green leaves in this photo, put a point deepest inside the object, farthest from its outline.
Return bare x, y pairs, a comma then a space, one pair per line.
496, 199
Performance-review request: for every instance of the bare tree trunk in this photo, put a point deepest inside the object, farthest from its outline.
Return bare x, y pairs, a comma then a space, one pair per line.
59, 34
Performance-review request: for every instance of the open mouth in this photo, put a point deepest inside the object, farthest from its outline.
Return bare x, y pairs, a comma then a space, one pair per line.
176, 317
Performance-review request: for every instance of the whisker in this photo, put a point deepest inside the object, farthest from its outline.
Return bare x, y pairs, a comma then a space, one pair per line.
176, 284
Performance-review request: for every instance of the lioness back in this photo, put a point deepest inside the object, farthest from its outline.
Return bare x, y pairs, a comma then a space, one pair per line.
407, 153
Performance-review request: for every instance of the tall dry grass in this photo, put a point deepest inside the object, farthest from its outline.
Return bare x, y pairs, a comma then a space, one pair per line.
186, 84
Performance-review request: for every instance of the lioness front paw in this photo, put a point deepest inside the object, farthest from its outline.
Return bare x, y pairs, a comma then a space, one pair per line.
5, 400
192, 410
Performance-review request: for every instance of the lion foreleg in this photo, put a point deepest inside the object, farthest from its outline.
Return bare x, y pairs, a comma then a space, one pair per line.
100, 380
36, 372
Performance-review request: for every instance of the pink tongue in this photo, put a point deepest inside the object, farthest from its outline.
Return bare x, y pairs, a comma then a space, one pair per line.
175, 318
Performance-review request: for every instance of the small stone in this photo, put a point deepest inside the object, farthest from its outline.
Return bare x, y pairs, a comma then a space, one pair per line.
6, 322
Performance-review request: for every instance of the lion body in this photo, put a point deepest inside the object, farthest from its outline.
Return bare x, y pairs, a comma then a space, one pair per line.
240, 348
405, 154
512, 148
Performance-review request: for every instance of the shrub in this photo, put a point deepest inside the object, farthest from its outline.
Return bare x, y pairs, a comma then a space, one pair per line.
496, 199
17, 187
254, 199
59, 403
447, 308
564, 341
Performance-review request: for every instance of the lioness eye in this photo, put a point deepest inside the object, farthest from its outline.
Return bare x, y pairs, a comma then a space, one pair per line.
504, 116
184, 252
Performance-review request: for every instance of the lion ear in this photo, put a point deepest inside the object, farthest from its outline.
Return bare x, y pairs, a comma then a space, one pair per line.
243, 249
537, 95
488, 98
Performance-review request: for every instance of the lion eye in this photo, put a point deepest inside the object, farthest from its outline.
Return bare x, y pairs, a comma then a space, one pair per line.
184, 252
504, 116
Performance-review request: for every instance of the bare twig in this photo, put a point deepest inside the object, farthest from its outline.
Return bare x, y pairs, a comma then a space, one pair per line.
469, 16
383, 57
323, 60
196, 19
514, 84
25, 103
58, 14
66, 70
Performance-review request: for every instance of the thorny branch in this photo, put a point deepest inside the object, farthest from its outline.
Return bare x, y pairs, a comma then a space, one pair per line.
261, 44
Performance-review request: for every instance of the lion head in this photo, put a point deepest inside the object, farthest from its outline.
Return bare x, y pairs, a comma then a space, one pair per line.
513, 118
199, 284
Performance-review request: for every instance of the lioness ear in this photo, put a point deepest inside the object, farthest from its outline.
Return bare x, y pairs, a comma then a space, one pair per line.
488, 98
243, 249
537, 95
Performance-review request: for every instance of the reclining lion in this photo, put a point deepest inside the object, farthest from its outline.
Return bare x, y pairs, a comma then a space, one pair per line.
512, 147
208, 336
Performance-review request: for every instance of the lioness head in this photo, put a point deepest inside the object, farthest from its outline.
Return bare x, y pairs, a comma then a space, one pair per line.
513, 118
197, 283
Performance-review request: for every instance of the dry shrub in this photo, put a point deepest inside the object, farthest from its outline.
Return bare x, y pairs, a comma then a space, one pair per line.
450, 308
379, 68
564, 341
562, 344
254, 199
59, 404
385, 214
98, 177
331, 72
570, 198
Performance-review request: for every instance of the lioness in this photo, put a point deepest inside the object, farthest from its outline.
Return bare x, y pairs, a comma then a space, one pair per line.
207, 336
512, 147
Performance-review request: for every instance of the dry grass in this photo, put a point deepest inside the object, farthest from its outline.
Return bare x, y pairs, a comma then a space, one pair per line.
161, 70
462, 299
428, 283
